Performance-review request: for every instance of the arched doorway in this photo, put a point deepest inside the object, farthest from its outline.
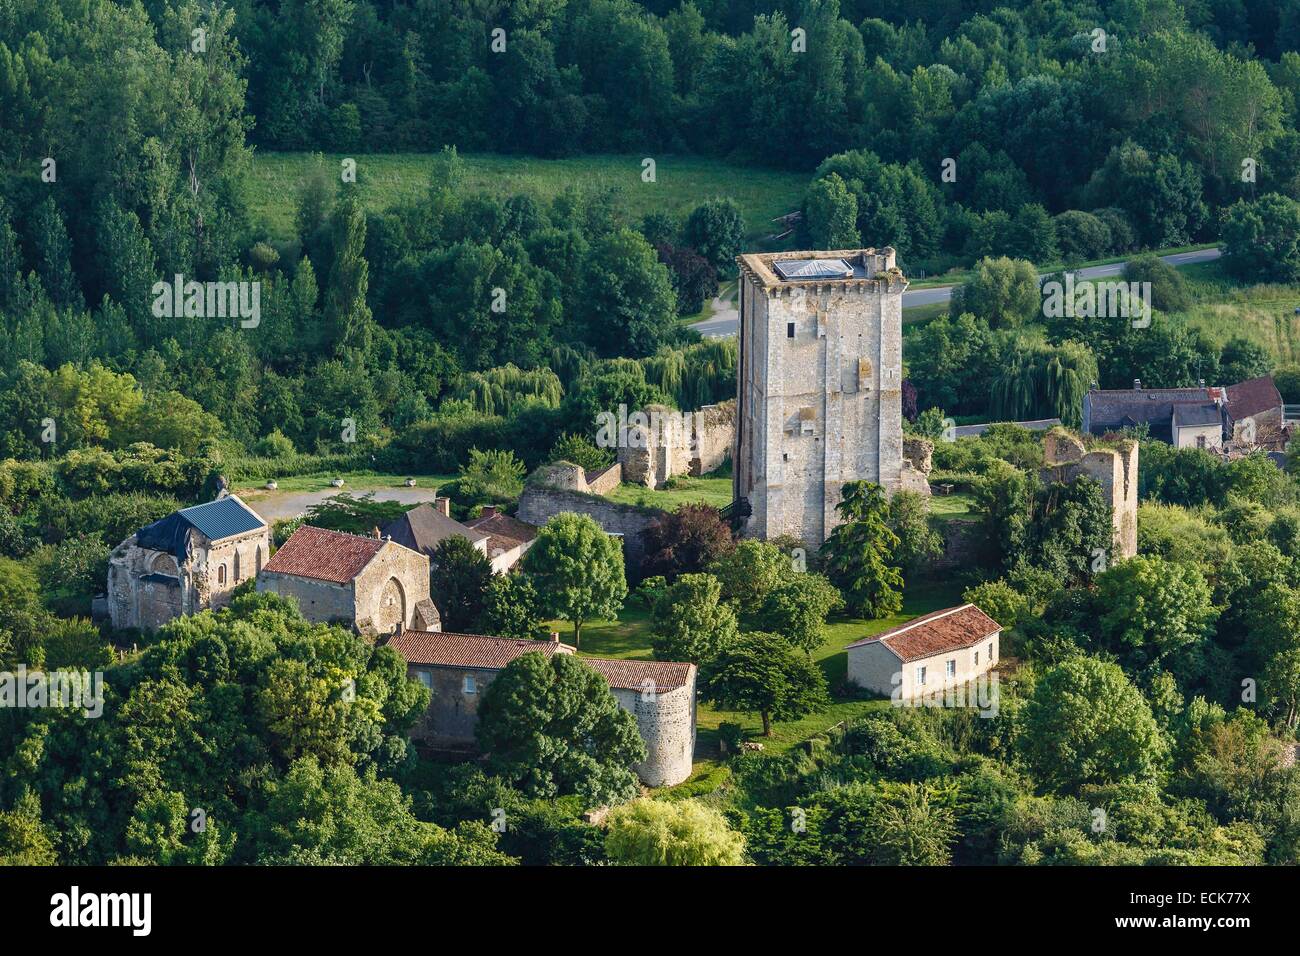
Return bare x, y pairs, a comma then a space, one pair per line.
392, 606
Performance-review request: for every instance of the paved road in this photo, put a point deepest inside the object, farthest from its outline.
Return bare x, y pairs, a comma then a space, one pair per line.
277, 505
725, 320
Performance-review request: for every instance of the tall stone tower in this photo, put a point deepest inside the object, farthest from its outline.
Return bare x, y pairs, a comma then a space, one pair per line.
820, 386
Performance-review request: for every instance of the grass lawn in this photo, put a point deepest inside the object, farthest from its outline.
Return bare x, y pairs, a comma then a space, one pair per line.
387, 180
629, 638
1264, 313
958, 506
685, 490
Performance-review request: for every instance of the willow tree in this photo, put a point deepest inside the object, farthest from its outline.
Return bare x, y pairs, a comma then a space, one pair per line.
1044, 381
497, 391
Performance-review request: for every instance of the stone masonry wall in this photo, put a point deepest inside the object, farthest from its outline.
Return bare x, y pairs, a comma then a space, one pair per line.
539, 504
666, 722
676, 443
1115, 469
372, 588
603, 482
319, 601
203, 580
820, 383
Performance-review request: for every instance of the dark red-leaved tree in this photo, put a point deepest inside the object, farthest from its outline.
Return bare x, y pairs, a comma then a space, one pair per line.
685, 541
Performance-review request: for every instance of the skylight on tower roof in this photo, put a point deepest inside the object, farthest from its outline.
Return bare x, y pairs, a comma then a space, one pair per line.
791, 269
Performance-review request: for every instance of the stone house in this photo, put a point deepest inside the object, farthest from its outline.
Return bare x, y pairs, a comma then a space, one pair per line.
1199, 424
185, 563
943, 649
1246, 414
457, 668
373, 584
508, 538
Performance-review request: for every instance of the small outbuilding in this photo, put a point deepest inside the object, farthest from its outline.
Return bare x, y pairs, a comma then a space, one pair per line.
945, 648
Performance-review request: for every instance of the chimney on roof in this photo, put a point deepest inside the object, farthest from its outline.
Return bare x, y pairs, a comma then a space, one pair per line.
399, 628
555, 637
374, 532
1137, 384
443, 505
489, 510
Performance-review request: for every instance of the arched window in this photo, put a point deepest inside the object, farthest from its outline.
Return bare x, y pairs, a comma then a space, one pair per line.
221, 574
236, 567
258, 559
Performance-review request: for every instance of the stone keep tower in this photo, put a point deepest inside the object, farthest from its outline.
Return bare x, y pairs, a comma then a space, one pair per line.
820, 378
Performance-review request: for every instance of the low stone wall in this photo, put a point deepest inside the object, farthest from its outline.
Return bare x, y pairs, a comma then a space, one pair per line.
962, 541
538, 504
603, 482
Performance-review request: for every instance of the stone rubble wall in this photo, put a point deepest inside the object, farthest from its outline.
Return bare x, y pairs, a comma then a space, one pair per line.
538, 504
678, 443
1115, 469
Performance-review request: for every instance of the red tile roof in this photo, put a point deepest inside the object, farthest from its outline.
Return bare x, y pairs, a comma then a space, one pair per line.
1253, 396
504, 531
633, 675
324, 555
447, 649
948, 630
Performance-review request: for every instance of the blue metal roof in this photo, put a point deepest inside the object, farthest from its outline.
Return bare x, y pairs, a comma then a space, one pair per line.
222, 518
218, 519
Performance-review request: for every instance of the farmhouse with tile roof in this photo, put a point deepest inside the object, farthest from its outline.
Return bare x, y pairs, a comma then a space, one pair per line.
185, 563
1249, 412
946, 647
457, 668
373, 584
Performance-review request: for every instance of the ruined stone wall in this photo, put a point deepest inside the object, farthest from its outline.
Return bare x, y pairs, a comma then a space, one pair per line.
539, 504
138, 598
603, 482
920, 452
1115, 469
676, 443
962, 541
666, 721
